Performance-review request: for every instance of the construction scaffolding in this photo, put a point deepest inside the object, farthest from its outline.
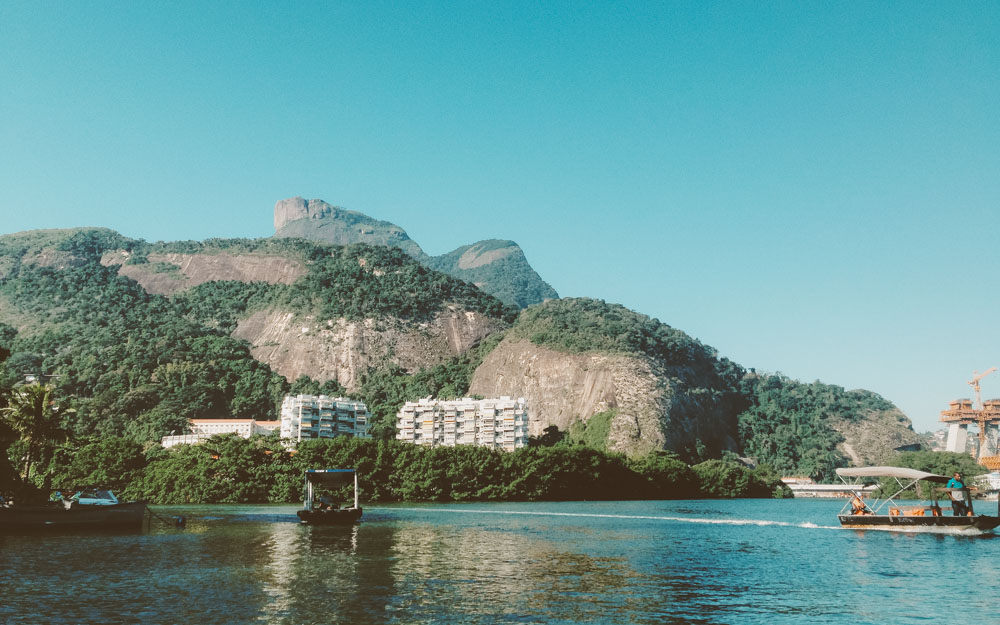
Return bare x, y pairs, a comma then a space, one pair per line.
962, 413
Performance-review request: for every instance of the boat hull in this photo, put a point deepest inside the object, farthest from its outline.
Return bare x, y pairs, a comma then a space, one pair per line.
122, 516
342, 516
980, 524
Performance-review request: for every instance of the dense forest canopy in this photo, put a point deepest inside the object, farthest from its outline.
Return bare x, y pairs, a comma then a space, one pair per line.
134, 362
230, 469
790, 424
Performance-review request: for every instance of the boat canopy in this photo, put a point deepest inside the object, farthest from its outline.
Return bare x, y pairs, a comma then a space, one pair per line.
896, 472
329, 477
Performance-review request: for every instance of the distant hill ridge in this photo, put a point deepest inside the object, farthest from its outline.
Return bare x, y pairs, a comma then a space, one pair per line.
497, 267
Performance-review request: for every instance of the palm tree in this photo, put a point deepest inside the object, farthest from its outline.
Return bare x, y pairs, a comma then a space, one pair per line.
33, 414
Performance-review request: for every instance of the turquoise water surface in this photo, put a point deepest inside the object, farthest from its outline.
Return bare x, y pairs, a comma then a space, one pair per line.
735, 562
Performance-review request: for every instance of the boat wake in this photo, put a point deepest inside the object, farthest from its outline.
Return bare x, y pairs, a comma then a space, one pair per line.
673, 519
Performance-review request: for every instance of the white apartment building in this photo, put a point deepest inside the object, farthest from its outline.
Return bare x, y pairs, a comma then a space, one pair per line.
319, 416
203, 429
498, 423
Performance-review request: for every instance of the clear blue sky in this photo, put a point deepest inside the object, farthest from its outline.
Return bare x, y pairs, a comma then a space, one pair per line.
810, 187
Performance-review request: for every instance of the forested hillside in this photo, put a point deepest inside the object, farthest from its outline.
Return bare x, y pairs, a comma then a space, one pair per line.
141, 364
699, 400
137, 364
799, 428
582, 325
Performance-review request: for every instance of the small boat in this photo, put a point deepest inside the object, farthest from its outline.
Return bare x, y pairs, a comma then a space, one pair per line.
320, 510
899, 512
88, 509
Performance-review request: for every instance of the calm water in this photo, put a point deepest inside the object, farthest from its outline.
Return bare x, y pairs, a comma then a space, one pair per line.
635, 562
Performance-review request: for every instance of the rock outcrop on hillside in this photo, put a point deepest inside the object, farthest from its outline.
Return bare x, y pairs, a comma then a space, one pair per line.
874, 439
342, 350
496, 267
652, 410
166, 274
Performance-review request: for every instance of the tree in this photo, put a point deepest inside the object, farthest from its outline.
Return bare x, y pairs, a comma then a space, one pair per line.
8, 476
36, 418
722, 480
112, 462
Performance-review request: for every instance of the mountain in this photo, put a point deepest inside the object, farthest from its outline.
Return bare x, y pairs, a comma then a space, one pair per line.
146, 335
318, 221
496, 267
628, 383
579, 360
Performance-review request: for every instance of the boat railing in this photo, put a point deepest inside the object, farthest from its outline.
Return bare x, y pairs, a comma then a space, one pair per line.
894, 505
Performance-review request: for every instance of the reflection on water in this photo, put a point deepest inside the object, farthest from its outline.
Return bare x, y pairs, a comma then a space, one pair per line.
641, 562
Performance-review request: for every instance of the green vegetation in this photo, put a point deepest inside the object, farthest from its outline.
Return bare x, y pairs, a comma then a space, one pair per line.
90, 244
594, 431
362, 281
87, 243
509, 278
588, 325
137, 366
722, 479
941, 463
230, 469
221, 304
36, 419
789, 424
132, 362
355, 281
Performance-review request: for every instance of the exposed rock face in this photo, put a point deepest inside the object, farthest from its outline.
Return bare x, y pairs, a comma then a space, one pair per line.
55, 259
473, 257
496, 267
652, 410
873, 440
166, 274
318, 221
344, 351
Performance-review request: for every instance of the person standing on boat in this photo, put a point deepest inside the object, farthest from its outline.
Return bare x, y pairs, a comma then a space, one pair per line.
957, 494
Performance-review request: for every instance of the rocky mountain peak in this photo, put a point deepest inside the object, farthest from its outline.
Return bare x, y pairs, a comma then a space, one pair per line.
319, 221
498, 267
295, 208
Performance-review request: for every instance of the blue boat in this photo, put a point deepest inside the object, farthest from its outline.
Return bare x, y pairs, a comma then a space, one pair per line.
88, 509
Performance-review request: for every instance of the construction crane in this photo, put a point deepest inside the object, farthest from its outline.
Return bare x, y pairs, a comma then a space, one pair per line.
980, 412
974, 383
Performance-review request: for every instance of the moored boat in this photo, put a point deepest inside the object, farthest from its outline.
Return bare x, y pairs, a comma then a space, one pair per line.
320, 510
89, 509
894, 510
